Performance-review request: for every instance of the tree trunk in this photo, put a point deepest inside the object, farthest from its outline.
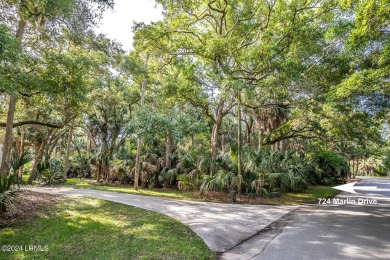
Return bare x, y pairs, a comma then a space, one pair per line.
21, 148
364, 165
168, 150
275, 147
8, 135
239, 144
67, 152
357, 168
52, 145
261, 136
99, 170
137, 162
103, 154
282, 145
4, 167
214, 144
39, 155
89, 145
106, 170
249, 131
139, 140
223, 142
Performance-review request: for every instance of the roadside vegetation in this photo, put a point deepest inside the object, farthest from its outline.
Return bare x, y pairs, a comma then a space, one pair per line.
253, 98
309, 195
271, 102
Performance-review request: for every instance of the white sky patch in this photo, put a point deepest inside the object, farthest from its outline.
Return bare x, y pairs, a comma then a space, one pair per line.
116, 24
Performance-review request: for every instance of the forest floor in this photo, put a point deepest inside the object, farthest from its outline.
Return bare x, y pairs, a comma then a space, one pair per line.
310, 195
68, 228
27, 204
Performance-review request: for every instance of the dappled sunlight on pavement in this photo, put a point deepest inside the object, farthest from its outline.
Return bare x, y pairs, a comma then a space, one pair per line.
320, 231
326, 231
221, 226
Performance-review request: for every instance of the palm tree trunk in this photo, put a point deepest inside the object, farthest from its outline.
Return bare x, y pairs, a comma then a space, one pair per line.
282, 144
139, 140
39, 155
249, 128
357, 168
239, 144
21, 148
214, 144
364, 165
67, 153
261, 139
168, 150
8, 135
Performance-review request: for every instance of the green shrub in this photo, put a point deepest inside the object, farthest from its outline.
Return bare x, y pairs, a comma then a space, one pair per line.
192, 180
332, 167
222, 181
168, 176
7, 193
51, 171
281, 171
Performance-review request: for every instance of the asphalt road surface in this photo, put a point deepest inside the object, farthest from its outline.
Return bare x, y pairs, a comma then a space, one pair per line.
328, 231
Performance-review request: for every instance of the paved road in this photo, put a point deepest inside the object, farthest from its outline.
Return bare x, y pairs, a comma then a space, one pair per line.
327, 231
221, 226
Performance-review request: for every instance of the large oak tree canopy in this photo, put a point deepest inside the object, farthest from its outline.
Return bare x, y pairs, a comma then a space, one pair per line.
241, 94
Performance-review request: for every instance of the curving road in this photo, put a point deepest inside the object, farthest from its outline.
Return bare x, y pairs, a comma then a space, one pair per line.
327, 231
222, 226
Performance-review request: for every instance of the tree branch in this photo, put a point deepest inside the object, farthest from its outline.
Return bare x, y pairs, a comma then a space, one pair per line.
33, 122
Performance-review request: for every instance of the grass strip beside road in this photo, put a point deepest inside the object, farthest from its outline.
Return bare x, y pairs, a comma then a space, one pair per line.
166, 193
87, 228
310, 195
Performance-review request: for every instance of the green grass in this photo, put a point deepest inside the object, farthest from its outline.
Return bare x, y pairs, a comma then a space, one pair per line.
96, 229
167, 193
309, 195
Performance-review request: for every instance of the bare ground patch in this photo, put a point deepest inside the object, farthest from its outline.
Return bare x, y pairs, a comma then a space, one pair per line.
28, 204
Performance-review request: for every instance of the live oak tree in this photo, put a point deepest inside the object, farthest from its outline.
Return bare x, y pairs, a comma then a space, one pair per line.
206, 88
106, 122
35, 19
367, 85
238, 43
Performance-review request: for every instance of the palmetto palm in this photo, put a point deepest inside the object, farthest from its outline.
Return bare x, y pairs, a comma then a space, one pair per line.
278, 170
8, 192
270, 118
